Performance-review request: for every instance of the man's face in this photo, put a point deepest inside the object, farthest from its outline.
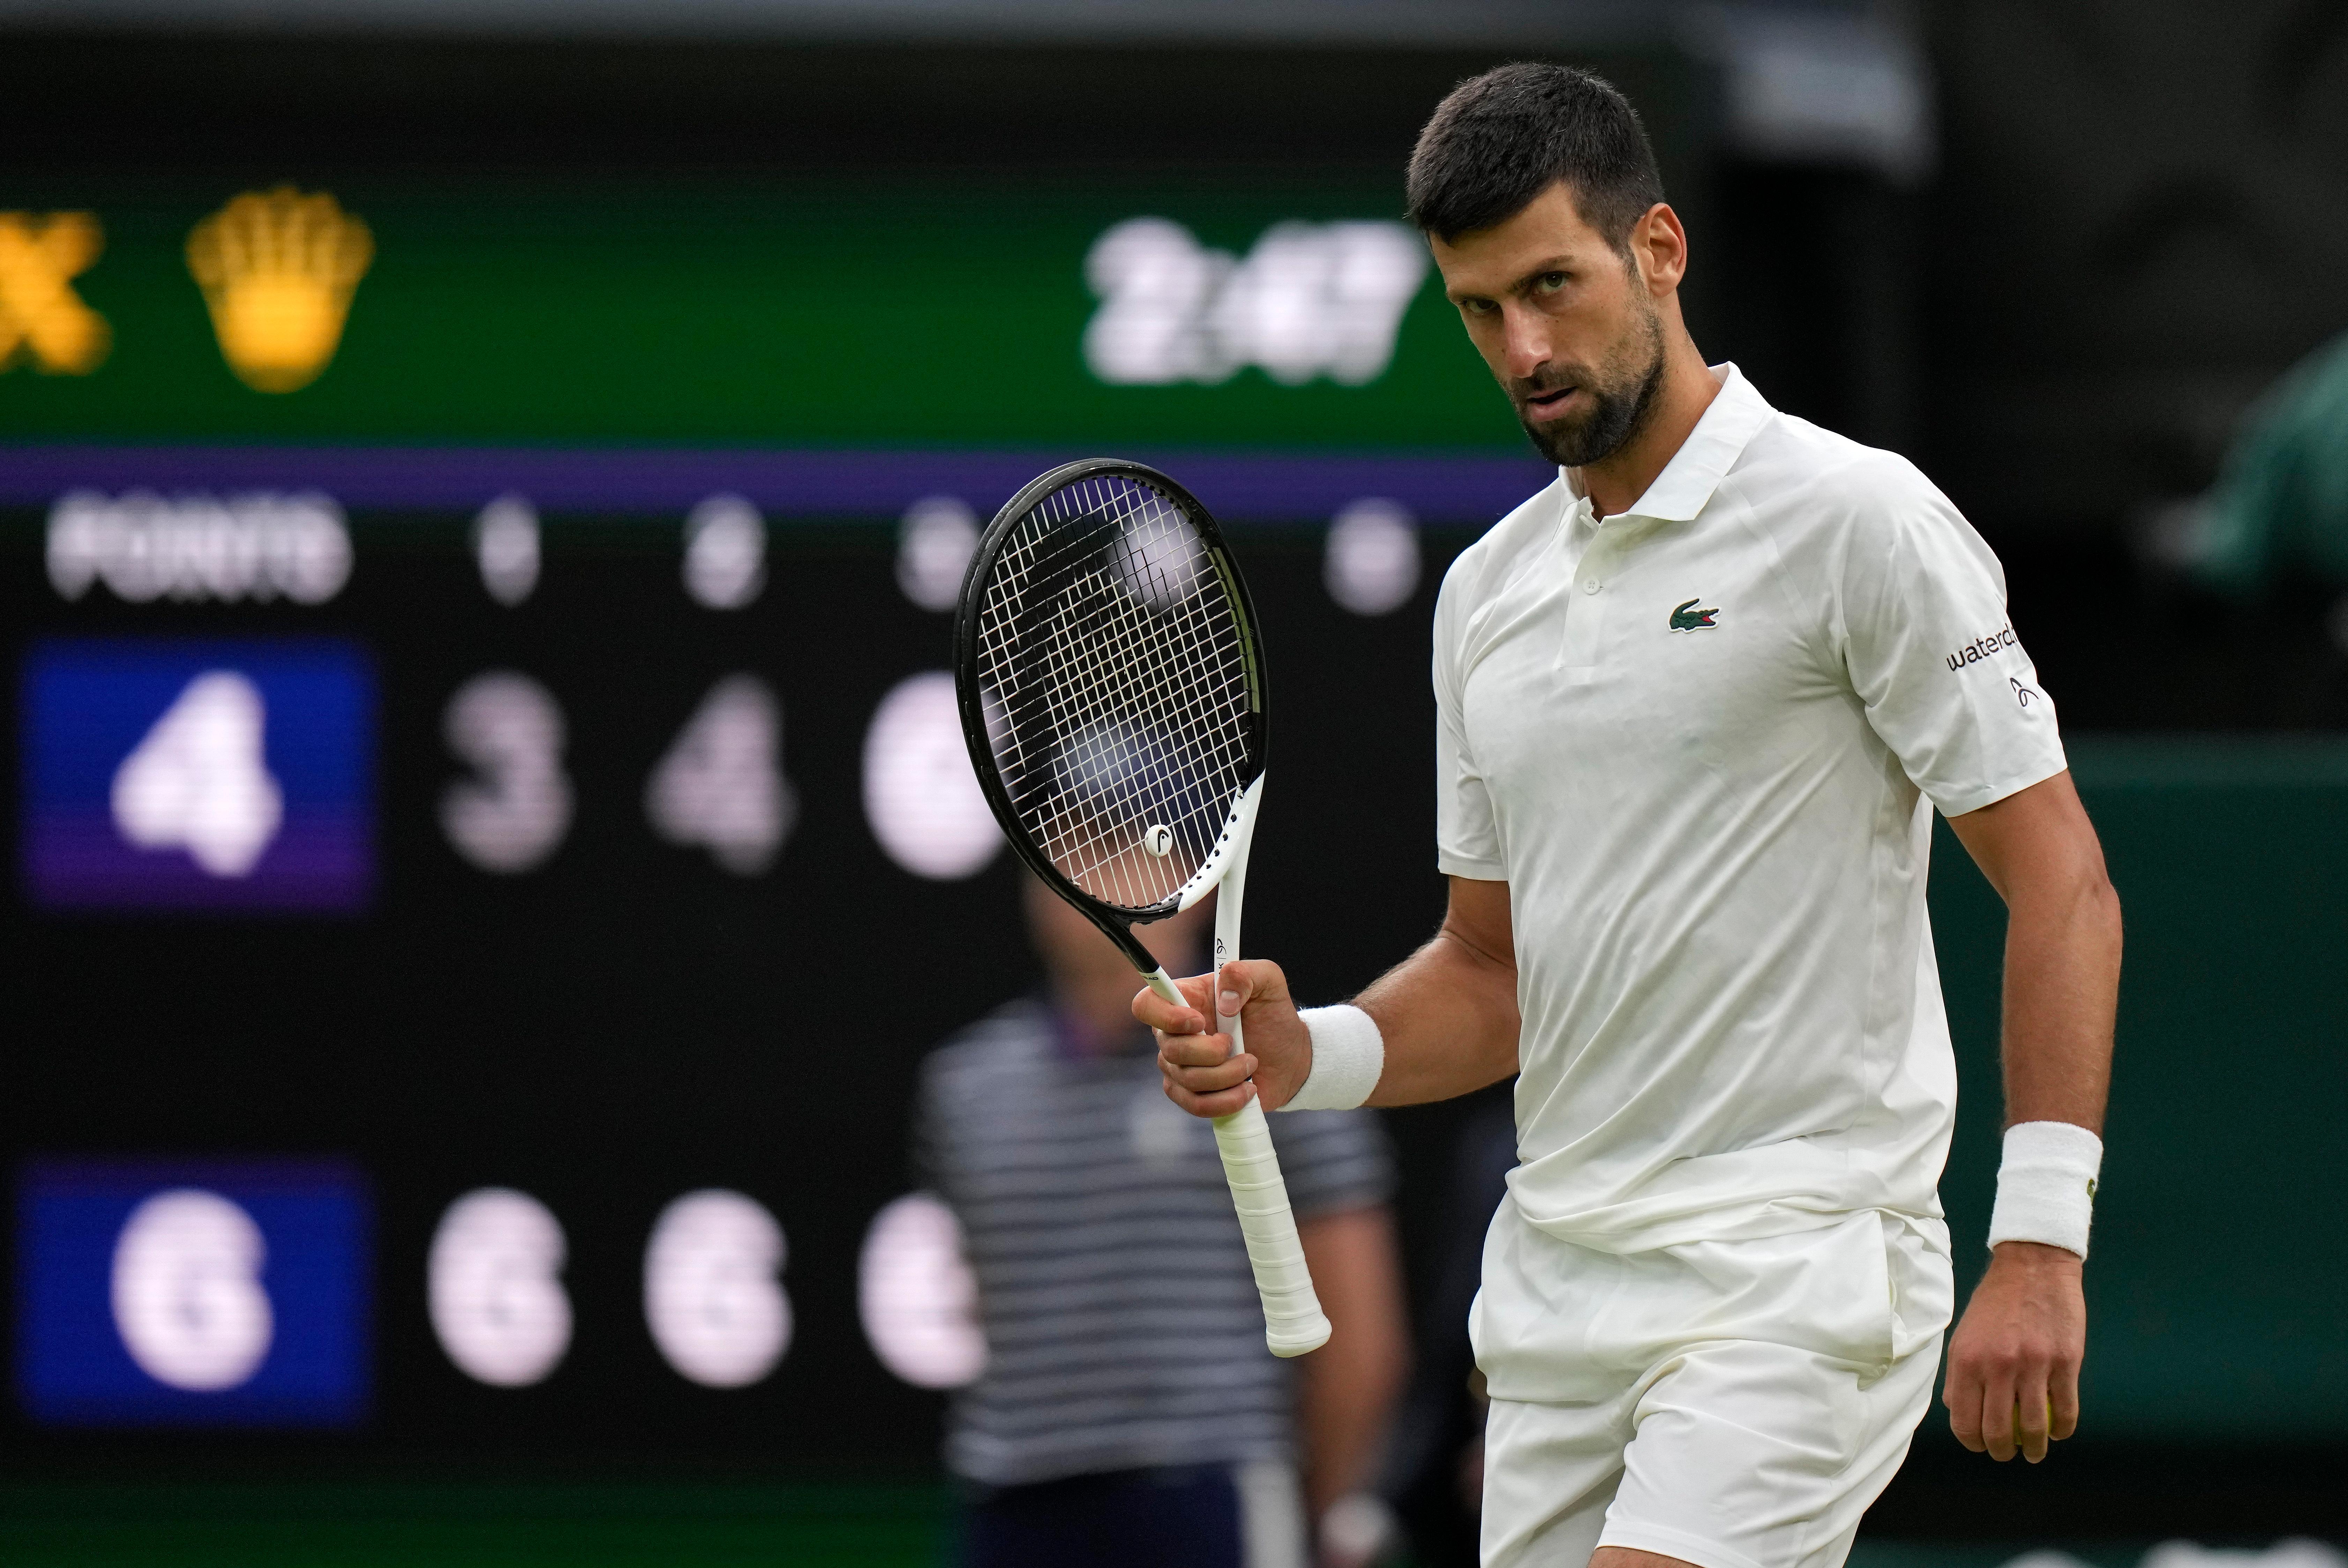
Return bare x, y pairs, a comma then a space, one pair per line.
1566, 322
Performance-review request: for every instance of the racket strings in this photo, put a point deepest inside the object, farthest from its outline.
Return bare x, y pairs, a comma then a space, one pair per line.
1119, 679
1115, 664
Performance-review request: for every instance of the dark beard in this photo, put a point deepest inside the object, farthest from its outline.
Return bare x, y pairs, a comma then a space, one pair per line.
1616, 414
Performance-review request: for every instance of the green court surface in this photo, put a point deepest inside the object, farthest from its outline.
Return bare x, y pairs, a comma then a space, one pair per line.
375, 1526
633, 1526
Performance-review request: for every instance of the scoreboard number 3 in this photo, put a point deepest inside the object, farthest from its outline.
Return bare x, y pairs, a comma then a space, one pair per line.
514, 812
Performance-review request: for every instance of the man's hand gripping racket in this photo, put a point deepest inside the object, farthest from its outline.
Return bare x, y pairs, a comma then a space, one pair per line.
1112, 696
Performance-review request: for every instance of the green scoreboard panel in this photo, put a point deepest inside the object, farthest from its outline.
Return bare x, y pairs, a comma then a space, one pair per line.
881, 314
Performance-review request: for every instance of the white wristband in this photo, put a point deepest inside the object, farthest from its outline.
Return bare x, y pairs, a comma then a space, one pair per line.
2046, 1185
1349, 1055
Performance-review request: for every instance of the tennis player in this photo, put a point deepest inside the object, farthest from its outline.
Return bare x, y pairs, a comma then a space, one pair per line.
1696, 702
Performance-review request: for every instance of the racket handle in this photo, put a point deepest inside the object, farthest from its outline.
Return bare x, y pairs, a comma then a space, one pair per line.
1292, 1320
1163, 984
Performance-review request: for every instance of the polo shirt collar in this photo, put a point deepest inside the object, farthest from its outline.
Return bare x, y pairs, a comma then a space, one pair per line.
1735, 415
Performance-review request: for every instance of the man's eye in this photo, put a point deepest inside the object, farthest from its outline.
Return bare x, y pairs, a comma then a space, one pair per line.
1548, 282
1477, 306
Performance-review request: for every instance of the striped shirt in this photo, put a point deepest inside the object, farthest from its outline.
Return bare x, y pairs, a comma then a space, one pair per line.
1122, 1326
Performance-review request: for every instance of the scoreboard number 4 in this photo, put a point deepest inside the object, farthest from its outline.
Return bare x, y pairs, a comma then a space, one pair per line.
720, 787
199, 780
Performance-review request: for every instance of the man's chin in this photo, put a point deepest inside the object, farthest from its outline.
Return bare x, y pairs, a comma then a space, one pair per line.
1559, 440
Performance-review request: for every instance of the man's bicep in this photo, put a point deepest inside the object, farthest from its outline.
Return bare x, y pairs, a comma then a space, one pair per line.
2038, 832
1478, 916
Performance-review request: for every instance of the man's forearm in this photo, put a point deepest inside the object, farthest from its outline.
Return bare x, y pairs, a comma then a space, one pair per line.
2037, 848
1446, 1017
2062, 983
1448, 1013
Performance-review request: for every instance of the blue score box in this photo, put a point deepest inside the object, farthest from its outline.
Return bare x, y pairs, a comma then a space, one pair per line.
199, 775
193, 1294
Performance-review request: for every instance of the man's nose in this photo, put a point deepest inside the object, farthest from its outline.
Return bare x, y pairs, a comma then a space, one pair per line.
1524, 340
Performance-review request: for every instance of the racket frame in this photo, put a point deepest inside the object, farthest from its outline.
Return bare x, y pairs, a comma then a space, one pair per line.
1116, 922
1294, 1321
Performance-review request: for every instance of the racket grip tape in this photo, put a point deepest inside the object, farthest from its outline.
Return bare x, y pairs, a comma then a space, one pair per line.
1292, 1320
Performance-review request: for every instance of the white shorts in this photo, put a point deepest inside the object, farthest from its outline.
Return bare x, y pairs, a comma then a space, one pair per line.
1732, 1404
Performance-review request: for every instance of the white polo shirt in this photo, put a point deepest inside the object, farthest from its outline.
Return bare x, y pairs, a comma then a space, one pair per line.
1700, 740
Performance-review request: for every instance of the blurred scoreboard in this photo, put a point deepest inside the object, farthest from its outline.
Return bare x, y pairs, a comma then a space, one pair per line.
492, 832
494, 984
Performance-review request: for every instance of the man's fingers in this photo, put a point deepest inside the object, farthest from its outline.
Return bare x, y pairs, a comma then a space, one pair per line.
2032, 1415
1194, 1050
1200, 1077
1203, 1064
1962, 1396
1166, 1017
1997, 1418
2063, 1391
1216, 1090
1245, 980
1203, 1076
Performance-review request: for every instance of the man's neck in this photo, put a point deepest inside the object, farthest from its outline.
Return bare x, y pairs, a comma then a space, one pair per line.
1616, 482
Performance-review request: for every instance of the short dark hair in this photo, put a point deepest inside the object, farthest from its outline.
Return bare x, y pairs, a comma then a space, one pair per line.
1500, 139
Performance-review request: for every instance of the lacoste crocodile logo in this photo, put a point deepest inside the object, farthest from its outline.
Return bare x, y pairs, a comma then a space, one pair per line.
1688, 618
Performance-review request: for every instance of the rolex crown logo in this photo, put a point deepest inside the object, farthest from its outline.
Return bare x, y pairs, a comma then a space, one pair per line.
278, 270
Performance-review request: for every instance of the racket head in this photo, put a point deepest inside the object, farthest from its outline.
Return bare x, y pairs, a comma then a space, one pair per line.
1110, 674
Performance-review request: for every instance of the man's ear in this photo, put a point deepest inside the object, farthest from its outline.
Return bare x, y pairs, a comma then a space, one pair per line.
1658, 249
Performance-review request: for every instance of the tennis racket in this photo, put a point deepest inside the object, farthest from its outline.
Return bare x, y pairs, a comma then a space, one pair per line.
1112, 697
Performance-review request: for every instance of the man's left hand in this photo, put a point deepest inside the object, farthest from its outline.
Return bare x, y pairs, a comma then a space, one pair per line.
2013, 1364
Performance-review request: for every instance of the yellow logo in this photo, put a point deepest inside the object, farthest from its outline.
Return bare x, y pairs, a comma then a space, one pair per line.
278, 270
41, 317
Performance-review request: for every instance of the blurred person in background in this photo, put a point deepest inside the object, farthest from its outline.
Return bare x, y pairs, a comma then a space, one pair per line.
2279, 512
1130, 1413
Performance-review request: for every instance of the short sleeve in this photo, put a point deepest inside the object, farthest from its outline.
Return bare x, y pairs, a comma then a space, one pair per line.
1466, 837
1933, 655
1334, 1160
